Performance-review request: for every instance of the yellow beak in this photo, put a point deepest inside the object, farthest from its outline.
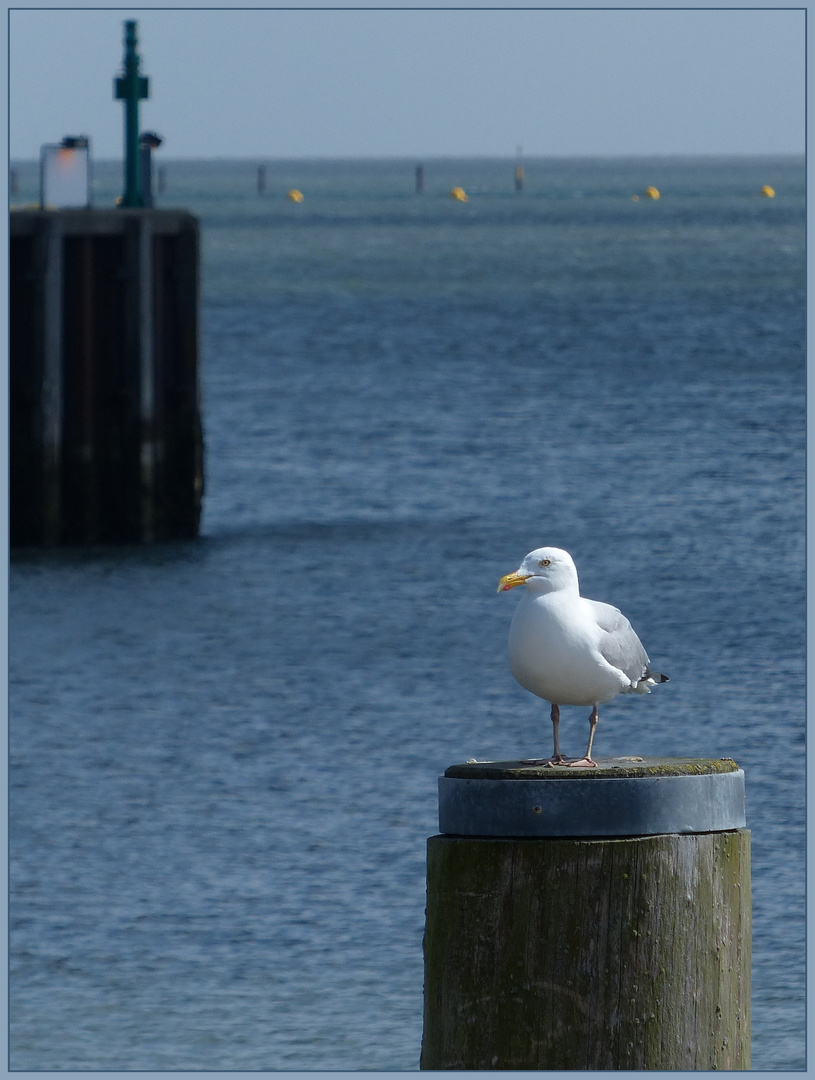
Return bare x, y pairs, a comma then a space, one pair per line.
509, 581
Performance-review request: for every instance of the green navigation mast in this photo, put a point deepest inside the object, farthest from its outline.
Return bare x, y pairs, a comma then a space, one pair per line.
131, 87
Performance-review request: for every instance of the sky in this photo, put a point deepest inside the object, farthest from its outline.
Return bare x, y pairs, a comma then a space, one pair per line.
266, 84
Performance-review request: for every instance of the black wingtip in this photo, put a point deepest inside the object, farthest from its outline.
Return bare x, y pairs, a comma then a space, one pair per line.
657, 676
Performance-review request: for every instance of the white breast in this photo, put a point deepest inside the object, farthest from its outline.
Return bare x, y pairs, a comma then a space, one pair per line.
553, 652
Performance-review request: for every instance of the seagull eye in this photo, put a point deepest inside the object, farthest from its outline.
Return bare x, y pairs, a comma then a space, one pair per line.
545, 562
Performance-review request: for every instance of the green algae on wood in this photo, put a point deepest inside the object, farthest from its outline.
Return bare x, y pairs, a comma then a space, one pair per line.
588, 954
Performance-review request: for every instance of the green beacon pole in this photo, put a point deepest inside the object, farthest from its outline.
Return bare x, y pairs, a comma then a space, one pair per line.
131, 87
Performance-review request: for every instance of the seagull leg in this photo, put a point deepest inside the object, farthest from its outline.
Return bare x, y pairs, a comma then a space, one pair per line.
557, 758
586, 762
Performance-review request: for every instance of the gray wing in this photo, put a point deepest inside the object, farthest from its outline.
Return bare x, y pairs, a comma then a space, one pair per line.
619, 645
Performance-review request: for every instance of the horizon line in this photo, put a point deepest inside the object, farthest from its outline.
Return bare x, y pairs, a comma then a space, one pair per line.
508, 158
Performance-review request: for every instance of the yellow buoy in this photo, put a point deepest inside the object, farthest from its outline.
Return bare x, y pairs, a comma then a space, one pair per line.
460, 194
651, 193
768, 192
295, 195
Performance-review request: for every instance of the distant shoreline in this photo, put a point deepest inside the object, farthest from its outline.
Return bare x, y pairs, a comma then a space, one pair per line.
436, 158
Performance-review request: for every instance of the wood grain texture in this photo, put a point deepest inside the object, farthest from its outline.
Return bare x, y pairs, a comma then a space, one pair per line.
629, 953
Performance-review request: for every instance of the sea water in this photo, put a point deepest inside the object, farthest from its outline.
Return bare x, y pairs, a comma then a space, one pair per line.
224, 752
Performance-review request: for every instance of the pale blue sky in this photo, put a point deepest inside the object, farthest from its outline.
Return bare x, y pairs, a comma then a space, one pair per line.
270, 84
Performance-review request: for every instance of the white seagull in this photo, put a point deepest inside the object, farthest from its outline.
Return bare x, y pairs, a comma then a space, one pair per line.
570, 650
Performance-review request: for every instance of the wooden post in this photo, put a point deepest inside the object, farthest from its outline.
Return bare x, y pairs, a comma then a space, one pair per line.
623, 952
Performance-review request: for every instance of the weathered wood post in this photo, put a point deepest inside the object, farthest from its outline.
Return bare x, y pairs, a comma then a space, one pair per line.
591, 921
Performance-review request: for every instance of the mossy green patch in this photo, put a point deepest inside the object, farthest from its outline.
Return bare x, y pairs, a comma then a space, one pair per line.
607, 768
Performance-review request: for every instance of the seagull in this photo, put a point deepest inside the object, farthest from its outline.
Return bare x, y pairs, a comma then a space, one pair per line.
569, 650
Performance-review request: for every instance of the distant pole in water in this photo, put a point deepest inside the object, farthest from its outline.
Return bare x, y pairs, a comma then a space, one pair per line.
131, 88
519, 170
161, 180
261, 179
419, 179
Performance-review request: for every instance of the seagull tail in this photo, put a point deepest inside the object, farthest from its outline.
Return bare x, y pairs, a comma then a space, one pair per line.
649, 679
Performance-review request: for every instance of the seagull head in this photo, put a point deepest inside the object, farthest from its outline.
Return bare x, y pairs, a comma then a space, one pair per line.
544, 570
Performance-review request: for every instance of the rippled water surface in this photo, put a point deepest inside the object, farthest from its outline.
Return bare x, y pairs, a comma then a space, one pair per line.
224, 752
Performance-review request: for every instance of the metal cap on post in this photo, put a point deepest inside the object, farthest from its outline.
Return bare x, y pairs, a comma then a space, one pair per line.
621, 797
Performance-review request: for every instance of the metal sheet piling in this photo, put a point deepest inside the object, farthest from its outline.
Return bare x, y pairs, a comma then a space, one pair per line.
106, 434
